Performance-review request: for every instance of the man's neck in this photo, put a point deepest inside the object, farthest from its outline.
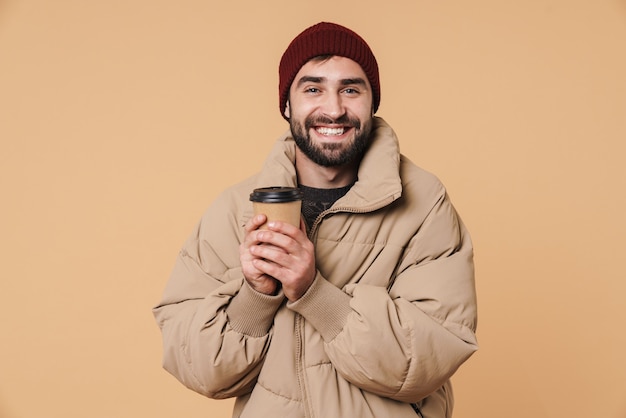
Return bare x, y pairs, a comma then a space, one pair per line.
314, 175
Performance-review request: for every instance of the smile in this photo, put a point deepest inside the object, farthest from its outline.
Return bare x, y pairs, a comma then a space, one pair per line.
330, 131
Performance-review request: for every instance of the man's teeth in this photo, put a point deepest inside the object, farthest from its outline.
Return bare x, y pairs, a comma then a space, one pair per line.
330, 131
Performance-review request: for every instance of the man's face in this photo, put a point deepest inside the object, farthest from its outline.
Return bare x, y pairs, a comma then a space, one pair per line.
330, 111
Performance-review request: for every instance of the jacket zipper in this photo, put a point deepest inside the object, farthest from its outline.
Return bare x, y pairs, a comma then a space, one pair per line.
417, 410
300, 369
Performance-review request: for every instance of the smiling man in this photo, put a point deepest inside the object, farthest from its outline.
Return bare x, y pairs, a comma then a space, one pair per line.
369, 307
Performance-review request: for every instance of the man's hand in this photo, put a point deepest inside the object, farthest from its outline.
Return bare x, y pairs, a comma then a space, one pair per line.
282, 252
257, 279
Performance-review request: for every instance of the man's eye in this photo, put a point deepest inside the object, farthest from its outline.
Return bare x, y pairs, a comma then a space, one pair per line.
312, 90
351, 91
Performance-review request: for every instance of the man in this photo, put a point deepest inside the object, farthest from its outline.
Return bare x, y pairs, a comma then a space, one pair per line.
369, 307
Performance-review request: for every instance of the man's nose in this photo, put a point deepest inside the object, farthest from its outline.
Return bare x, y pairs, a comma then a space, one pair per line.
333, 106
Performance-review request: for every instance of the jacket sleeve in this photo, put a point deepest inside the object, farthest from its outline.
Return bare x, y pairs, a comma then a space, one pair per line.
406, 341
215, 328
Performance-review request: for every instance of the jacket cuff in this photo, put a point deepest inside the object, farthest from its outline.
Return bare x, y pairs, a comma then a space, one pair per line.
251, 312
325, 306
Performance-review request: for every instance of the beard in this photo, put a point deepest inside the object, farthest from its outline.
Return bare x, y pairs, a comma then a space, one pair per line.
331, 154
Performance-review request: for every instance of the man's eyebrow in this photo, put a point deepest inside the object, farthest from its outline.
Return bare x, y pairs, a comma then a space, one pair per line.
310, 79
344, 82
349, 81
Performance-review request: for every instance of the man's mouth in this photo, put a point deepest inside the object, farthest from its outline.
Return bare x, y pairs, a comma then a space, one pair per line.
322, 130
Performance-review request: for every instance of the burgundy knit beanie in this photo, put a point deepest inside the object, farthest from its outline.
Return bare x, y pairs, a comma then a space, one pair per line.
326, 39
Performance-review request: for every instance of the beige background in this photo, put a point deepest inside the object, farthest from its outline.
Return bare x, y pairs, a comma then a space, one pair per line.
121, 120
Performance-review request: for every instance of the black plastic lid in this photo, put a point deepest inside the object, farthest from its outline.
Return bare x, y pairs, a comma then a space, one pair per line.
276, 194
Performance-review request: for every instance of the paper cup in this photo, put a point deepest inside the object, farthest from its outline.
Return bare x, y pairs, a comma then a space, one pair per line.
278, 204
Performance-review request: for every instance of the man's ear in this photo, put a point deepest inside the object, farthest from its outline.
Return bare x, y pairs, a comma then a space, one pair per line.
287, 113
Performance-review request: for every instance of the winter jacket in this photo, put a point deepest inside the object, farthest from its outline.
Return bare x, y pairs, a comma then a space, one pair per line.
390, 316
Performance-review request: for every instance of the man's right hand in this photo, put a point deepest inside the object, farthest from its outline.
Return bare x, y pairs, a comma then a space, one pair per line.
256, 279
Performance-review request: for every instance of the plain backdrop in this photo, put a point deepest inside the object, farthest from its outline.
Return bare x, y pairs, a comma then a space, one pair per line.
121, 120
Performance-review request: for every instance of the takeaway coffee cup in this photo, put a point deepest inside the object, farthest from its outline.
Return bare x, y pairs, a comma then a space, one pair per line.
278, 204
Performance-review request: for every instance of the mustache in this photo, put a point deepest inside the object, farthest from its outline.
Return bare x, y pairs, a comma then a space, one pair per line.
344, 120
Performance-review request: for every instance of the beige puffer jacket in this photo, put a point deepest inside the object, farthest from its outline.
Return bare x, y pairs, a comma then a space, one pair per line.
389, 318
